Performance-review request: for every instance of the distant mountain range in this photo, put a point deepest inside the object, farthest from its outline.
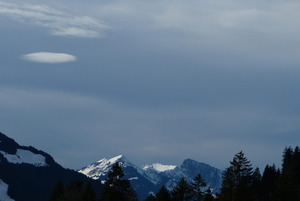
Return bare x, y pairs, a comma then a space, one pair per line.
150, 178
28, 174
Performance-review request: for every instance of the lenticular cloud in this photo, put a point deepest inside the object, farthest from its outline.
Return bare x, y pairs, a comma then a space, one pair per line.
49, 57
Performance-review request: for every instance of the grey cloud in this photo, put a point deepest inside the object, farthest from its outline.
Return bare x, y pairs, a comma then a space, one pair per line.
237, 27
59, 22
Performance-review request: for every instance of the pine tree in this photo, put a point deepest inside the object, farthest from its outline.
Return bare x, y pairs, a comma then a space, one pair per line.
208, 195
237, 180
182, 191
151, 198
197, 187
74, 191
255, 183
116, 188
58, 192
88, 193
163, 194
288, 188
269, 181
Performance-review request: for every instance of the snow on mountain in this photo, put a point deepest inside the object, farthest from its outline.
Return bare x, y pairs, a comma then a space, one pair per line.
154, 172
30, 174
159, 167
139, 180
155, 175
211, 175
3, 192
25, 156
152, 176
101, 168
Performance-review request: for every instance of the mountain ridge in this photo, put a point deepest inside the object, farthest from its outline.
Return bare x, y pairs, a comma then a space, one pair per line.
27, 173
156, 174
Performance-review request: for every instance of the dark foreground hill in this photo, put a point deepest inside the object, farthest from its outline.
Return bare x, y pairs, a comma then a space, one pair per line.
31, 174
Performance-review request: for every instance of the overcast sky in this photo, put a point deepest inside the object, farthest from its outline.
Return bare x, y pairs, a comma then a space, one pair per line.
157, 81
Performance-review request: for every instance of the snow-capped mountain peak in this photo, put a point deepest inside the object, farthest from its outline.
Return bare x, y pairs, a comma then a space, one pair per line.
102, 166
107, 162
149, 178
115, 159
159, 167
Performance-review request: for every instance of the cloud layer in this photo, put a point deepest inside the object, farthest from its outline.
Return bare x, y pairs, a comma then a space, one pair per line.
260, 29
49, 57
175, 79
57, 21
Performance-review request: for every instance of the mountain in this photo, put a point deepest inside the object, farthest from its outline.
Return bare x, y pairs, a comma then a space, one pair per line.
150, 178
211, 175
140, 182
27, 173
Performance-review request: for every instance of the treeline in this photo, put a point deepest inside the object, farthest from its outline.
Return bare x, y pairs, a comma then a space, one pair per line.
241, 182
195, 190
115, 189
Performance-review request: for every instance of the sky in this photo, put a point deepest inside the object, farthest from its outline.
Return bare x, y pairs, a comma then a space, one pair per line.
158, 81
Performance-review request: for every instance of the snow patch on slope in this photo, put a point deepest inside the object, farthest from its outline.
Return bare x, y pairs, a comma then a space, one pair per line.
3, 192
159, 167
25, 156
133, 178
156, 173
102, 167
115, 159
